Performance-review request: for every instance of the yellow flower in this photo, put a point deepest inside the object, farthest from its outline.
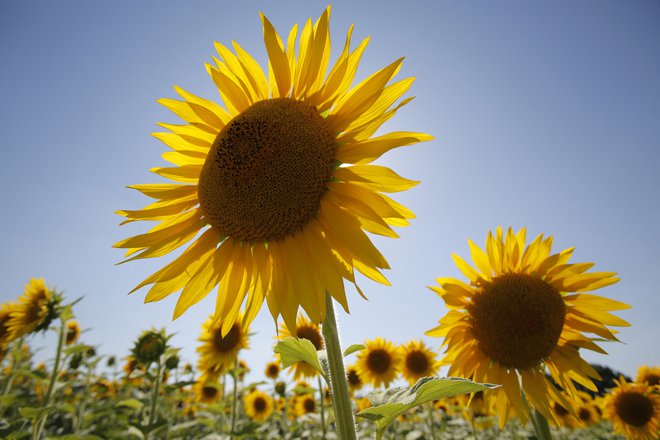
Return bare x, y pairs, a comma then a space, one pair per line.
585, 410
379, 363
418, 361
207, 390
32, 310
522, 311
279, 183
5, 314
305, 329
272, 369
362, 404
304, 404
218, 353
634, 410
648, 375
258, 405
354, 381
72, 332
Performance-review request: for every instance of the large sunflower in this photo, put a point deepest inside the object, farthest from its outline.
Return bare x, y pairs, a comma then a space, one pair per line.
523, 311
634, 410
305, 329
418, 361
33, 310
379, 362
218, 353
279, 182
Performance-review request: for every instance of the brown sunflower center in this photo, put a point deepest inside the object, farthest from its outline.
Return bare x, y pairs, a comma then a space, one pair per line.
560, 410
312, 335
259, 404
273, 370
634, 408
584, 414
209, 391
417, 362
353, 378
379, 361
517, 319
267, 171
229, 341
309, 405
652, 379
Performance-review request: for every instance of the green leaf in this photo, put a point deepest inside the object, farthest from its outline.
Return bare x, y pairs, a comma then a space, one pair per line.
130, 403
294, 350
30, 412
353, 348
391, 403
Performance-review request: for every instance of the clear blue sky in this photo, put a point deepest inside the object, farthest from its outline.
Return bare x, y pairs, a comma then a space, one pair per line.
546, 114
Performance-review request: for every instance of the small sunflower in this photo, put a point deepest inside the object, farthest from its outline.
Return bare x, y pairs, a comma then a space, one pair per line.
418, 361
524, 311
305, 329
304, 404
634, 410
258, 405
362, 403
586, 412
355, 383
279, 184
72, 332
149, 347
379, 363
243, 369
272, 370
207, 390
648, 375
34, 311
218, 353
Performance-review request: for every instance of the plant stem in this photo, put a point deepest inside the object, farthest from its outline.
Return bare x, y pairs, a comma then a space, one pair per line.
154, 397
322, 408
341, 400
234, 402
80, 418
40, 423
541, 425
431, 428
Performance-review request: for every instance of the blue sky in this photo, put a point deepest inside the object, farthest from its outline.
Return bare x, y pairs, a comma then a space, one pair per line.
546, 115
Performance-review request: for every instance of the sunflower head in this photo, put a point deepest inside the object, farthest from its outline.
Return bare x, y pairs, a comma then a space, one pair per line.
6, 311
649, 375
207, 390
150, 346
304, 404
172, 362
523, 310
276, 190
258, 405
379, 363
272, 370
280, 388
35, 310
353, 377
305, 329
72, 332
218, 352
634, 410
418, 361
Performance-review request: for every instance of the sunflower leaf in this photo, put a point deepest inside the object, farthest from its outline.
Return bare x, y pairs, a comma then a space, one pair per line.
353, 348
391, 403
293, 350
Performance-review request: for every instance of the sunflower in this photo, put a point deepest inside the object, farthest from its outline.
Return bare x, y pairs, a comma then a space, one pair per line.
207, 390
354, 381
34, 310
634, 410
418, 361
379, 363
305, 329
524, 310
258, 405
585, 410
272, 370
304, 404
149, 347
218, 353
362, 403
72, 332
6, 311
279, 184
648, 375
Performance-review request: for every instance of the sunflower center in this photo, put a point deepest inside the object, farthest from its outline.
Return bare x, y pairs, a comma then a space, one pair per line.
259, 404
635, 409
312, 335
229, 342
209, 391
560, 410
378, 361
309, 405
353, 378
267, 171
652, 379
584, 414
417, 362
273, 370
517, 319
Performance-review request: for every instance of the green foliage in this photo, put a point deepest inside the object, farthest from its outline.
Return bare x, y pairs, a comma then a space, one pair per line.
294, 350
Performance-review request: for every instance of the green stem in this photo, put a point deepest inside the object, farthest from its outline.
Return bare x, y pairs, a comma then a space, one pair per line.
341, 400
322, 408
234, 402
431, 428
81, 411
154, 396
40, 423
541, 425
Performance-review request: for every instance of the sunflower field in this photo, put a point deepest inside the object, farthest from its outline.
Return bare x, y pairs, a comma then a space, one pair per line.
272, 200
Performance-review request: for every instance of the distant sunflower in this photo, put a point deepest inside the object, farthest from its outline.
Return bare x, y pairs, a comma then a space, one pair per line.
207, 390
34, 310
418, 361
149, 346
279, 182
648, 375
304, 404
354, 381
523, 311
72, 332
379, 363
5, 314
258, 405
634, 410
218, 353
272, 370
305, 329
